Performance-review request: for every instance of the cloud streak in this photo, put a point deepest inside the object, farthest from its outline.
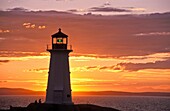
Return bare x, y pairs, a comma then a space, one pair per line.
107, 9
21, 54
133, 66
17, 9
4, 61
100, 9
153, 34
142, 66
39, 70
135, 9
3, 81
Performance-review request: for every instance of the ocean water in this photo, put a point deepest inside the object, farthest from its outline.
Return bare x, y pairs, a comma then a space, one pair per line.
124, 103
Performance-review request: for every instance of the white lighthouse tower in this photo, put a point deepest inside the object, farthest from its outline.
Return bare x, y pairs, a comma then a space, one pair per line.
58, 87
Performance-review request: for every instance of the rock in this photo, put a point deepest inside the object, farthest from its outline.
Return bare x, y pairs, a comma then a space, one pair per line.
61, 107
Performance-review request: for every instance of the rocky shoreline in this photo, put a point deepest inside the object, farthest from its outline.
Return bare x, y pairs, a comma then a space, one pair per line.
60, 107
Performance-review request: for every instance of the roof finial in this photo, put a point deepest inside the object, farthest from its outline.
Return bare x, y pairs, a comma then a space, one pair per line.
59, 29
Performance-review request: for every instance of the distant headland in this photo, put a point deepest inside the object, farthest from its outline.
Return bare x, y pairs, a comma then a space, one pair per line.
20, 91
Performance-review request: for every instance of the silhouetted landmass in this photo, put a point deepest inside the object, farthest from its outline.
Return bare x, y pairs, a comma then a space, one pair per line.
119, 93
20, 91
60, 107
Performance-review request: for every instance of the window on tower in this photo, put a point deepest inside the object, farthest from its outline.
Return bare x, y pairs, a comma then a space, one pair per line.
54, 40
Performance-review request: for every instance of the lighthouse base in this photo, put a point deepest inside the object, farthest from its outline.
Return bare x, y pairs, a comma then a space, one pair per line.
58, 97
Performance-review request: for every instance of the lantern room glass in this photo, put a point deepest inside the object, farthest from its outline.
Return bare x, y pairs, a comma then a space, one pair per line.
59, 40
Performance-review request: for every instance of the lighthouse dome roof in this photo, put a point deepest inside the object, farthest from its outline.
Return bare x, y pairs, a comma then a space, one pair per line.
59, 34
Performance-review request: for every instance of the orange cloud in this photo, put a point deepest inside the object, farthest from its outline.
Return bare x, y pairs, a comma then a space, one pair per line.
21, 54
135, 9
40, 70
42, 27
4, 31
29, 25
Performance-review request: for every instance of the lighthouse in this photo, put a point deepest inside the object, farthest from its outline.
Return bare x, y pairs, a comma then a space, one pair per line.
58, 86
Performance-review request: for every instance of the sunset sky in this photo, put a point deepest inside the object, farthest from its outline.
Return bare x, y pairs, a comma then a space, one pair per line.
118, 45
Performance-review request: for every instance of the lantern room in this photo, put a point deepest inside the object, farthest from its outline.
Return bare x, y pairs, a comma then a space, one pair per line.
59, 40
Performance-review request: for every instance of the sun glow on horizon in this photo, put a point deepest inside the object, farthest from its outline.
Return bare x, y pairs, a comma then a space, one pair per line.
88, 73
